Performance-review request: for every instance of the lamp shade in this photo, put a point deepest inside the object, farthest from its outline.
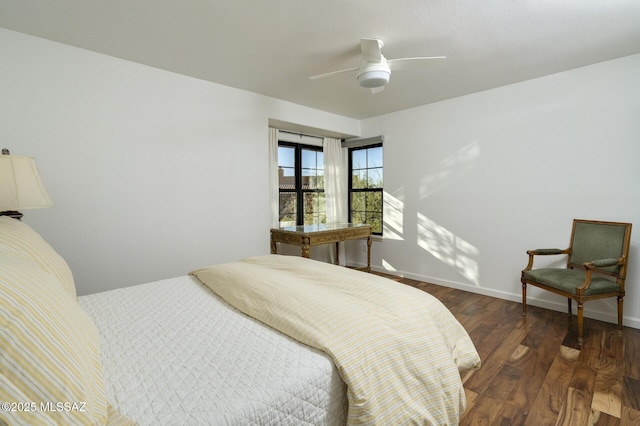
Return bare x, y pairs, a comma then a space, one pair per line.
20, 184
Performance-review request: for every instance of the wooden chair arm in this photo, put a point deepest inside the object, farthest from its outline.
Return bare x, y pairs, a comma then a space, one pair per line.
593, 265
544, 252
586, 283
547, 251
603, 263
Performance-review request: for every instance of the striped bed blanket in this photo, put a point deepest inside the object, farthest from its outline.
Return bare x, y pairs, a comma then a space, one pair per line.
399, 350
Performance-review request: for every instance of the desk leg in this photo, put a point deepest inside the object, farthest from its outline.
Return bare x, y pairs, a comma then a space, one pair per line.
337, 262
369, 241
274, 246
305, 247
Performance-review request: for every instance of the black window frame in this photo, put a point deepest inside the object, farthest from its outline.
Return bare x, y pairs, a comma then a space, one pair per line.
298, 186
360, 190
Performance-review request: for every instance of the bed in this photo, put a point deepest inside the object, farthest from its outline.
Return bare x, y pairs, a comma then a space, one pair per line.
265, 340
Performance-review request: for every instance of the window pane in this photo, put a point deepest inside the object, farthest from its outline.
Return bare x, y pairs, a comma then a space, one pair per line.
374, 157
357, 218
375, 220
357, 202
366, 201
312, 179
308, 159
359, 179
320, 178
314, 208
301, 183
286, 167
287, 208
374, 178
373, 201
287, 177
366, 174
313, 219
286, 156
366, 208
359, 159
312, 159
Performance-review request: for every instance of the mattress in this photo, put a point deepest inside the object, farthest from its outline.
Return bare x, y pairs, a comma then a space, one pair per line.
174, 353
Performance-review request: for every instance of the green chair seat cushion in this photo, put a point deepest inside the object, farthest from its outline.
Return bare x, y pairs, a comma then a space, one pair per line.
568, 279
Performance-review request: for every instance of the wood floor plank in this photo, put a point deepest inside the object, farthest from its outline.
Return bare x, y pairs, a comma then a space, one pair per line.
484, 412
607, 394
631, 339
502, 385
612, 345
576, 409
496, 328
472, 397
584, 377
510, 415
497, 356
533, 370
551, 398
602, 419
631, 393
534, 373
544, 348
629, 416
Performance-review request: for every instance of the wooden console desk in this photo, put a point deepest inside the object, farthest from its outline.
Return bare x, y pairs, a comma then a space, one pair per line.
312, 235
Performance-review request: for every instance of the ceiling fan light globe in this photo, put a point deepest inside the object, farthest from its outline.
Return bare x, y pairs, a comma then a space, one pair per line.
374, 78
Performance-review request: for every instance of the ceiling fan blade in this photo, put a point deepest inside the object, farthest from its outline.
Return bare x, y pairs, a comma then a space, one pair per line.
332, 73
406, 63
371, 49
375, 90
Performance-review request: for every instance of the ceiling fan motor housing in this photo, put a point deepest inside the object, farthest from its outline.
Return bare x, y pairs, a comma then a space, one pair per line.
372, 74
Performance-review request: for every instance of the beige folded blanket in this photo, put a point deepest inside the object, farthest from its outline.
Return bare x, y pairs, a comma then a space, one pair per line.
398, 349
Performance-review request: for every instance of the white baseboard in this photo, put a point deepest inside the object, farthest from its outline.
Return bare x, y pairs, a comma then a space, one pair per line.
610, 317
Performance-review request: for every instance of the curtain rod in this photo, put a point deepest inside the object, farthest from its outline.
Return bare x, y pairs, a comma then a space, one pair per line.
301, 134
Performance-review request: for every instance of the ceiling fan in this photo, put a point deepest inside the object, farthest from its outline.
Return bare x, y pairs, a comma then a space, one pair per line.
374, 71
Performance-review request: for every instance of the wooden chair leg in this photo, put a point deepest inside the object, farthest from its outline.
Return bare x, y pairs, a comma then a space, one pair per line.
580, 322
569, 303
620, 309
524, 299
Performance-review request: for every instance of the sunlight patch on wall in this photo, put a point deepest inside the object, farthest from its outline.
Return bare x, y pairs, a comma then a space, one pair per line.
387, 266
393, 216
453, 167
449, 248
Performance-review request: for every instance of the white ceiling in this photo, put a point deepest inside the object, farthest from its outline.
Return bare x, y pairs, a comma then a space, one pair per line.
272, 47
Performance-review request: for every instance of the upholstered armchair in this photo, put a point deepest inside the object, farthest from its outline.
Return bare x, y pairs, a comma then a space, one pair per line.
596, 267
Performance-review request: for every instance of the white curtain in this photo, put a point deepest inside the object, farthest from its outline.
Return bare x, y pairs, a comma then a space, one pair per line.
335, 188
274, 184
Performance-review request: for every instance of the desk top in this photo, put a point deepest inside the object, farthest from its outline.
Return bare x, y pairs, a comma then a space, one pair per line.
305, 229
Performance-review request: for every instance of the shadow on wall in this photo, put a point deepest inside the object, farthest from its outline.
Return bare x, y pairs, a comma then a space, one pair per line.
393, 226
450, 169
449, 248
441, 243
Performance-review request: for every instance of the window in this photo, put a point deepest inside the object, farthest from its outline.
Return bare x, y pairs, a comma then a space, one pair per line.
301, 182
365, 186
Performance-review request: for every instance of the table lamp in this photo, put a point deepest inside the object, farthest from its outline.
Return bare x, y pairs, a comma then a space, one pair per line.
21, 186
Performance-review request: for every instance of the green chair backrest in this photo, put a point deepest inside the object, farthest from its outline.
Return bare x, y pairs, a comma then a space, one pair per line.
592, 240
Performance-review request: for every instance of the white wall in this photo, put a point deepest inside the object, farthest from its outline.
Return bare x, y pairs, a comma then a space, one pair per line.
472, 183
153, 173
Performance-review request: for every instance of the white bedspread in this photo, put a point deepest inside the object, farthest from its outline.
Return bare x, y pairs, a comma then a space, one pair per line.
176, 354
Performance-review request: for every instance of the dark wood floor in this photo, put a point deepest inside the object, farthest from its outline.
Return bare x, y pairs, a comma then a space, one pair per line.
533, 371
